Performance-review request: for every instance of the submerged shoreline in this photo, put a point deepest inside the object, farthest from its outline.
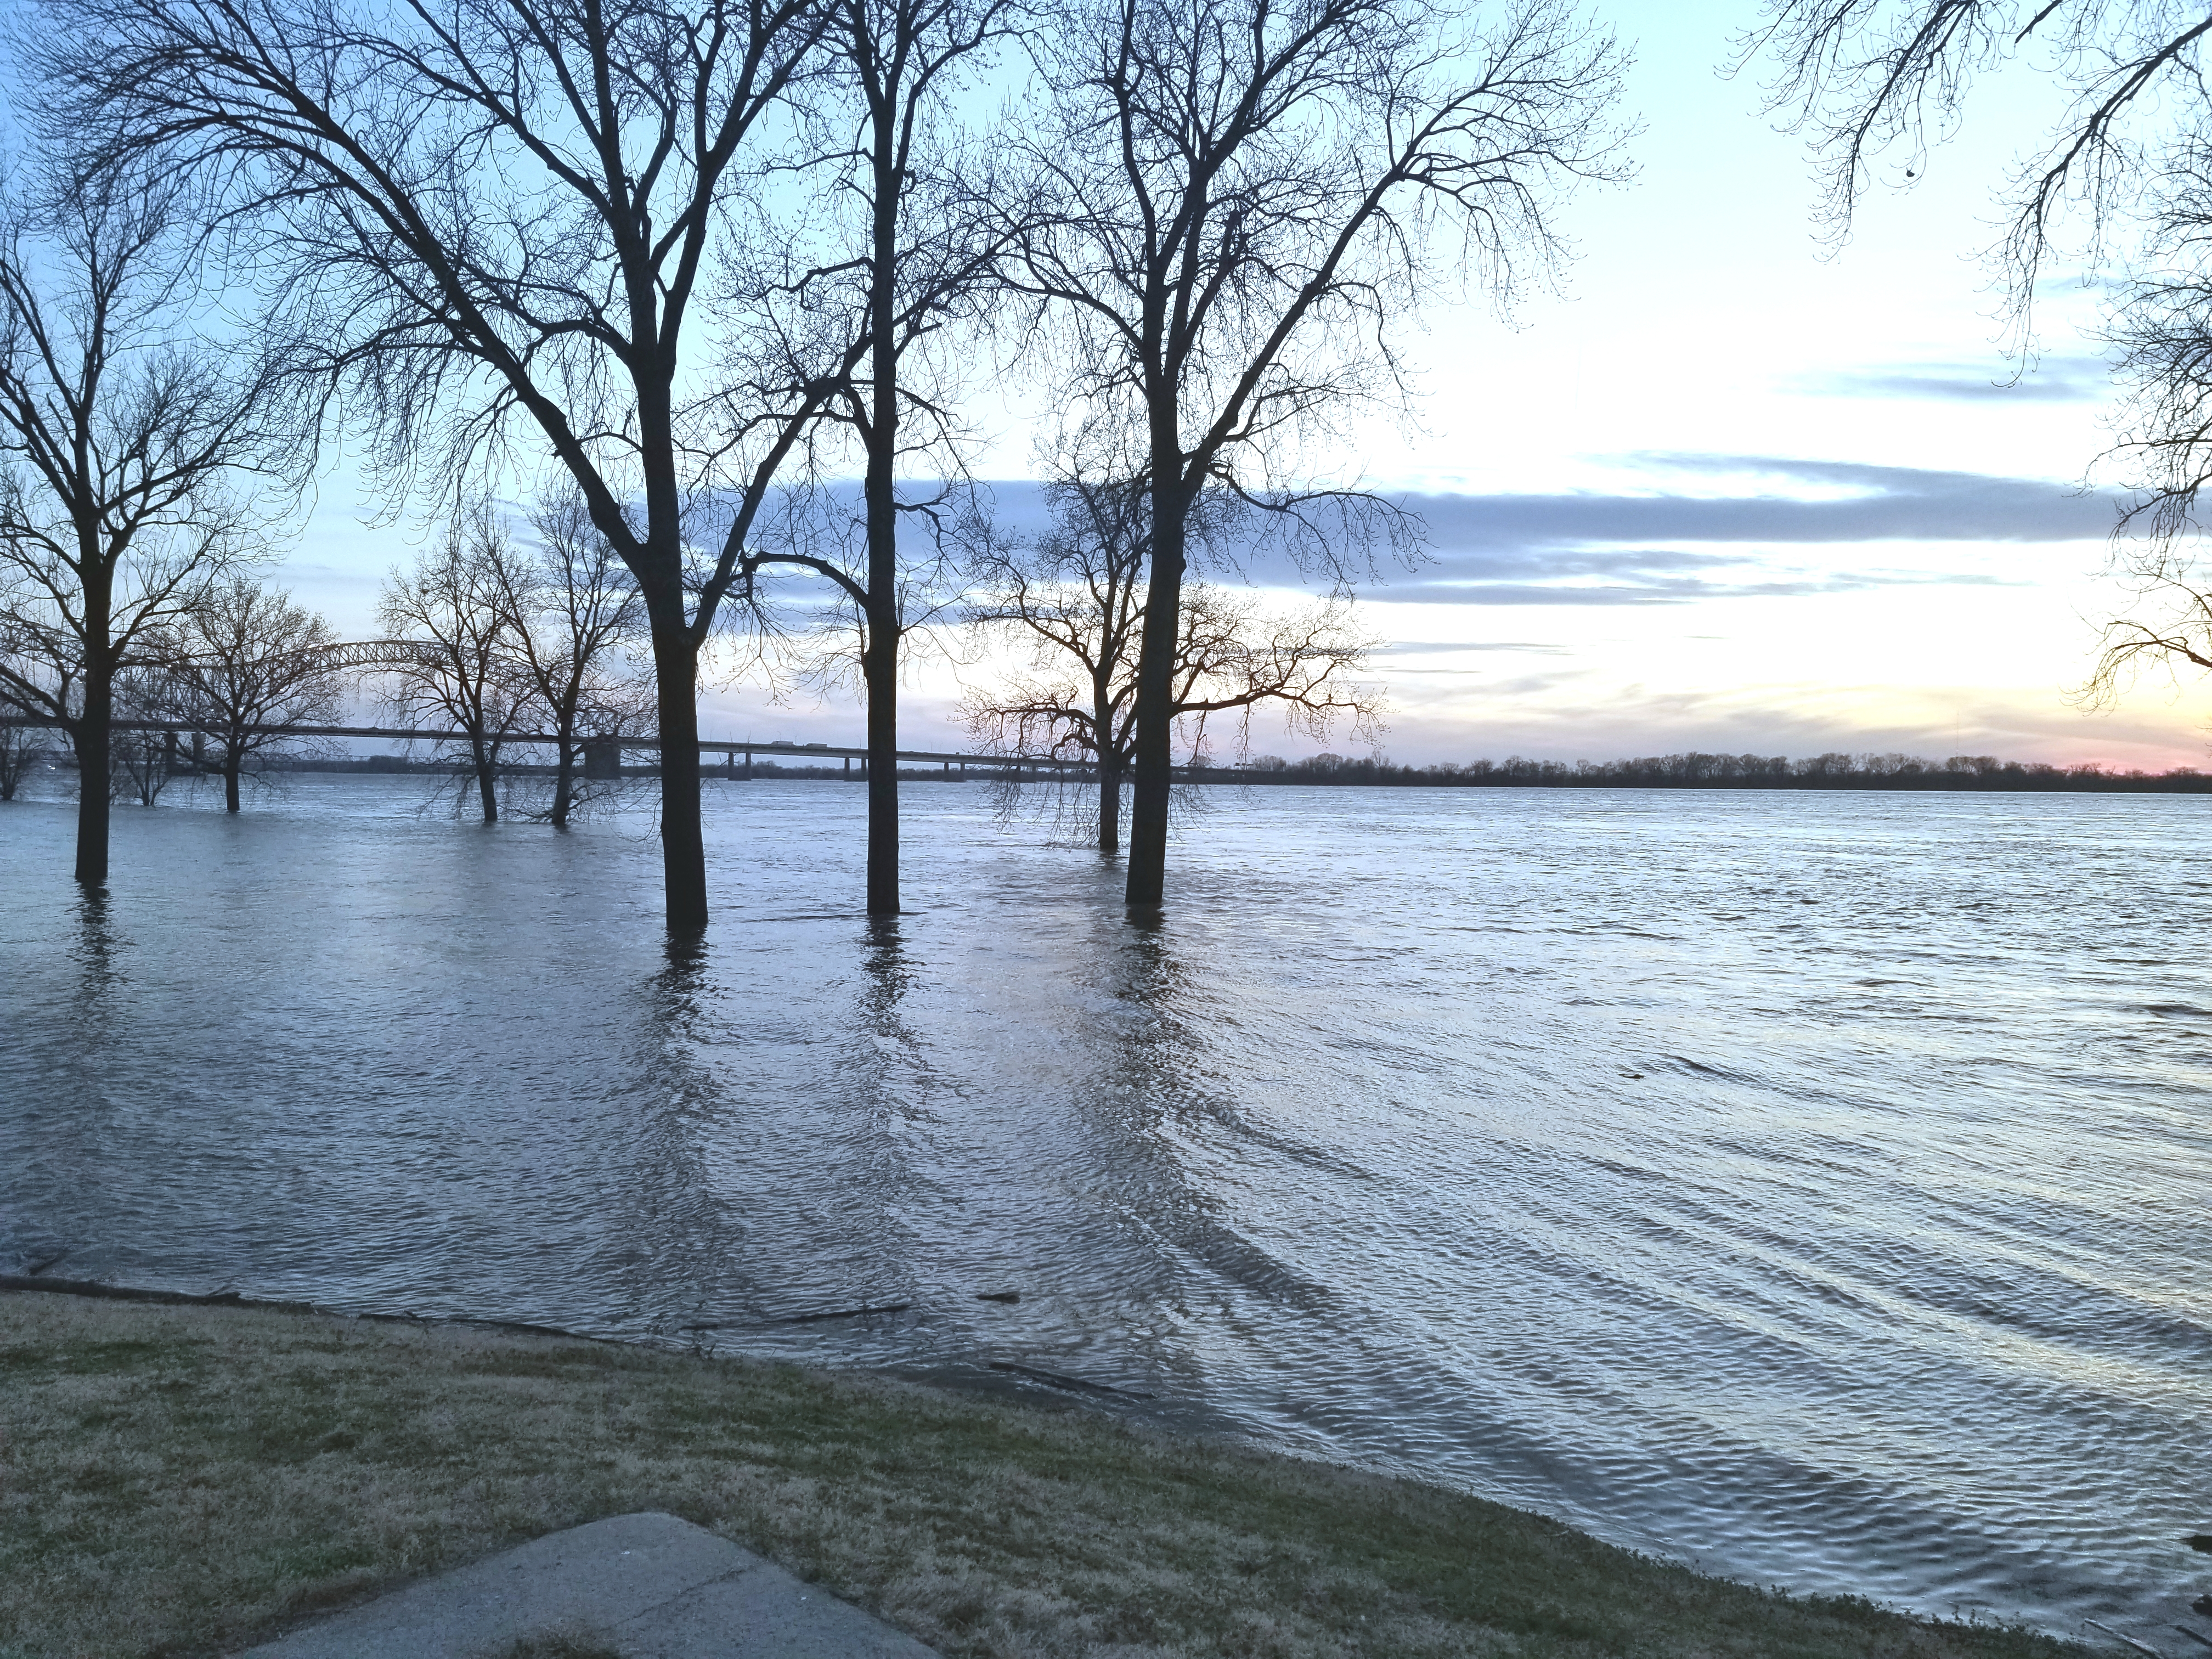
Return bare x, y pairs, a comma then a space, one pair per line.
184, 1474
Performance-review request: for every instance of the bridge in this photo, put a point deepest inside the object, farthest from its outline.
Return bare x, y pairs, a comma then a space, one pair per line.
602, 753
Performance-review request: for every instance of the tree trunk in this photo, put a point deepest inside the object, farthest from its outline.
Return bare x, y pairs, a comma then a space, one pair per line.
564, 782
1148, 813
880, 669
880, 666
1109, 806
564, 762
230, 766
94, 740
1109, 758
486, 788
683, 846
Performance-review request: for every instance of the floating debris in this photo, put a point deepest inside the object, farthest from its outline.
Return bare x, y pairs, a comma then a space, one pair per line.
2201, 1641
1056, 1380
842, 1313
2126, 1641
998, 1296
801, 1319
2199, 1540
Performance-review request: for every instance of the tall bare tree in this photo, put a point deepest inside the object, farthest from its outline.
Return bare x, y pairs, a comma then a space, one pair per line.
498, 214
249, 669
1075, 600
1244, 200
454, 604
909, 256
120, 436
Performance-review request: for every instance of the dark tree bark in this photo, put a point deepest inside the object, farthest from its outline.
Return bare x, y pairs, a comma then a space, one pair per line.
1227, 181
496, 218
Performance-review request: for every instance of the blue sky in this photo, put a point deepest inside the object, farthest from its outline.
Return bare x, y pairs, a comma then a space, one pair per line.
1728, 488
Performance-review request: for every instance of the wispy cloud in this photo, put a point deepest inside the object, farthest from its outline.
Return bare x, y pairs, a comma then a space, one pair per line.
2052, 379
1716, 526
1740, 526
1817, 503
1442, 647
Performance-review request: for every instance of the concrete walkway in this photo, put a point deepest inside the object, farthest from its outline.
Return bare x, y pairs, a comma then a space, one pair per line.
641, 1586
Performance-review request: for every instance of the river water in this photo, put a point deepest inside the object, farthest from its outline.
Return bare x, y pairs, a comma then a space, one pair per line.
1810, 1186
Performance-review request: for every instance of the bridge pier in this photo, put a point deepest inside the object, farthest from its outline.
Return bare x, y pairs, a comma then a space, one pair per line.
602, 758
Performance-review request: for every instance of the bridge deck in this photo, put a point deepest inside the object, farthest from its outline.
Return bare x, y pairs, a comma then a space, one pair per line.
778, 751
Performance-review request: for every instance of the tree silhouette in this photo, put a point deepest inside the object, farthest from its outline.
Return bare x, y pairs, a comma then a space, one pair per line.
1239, 201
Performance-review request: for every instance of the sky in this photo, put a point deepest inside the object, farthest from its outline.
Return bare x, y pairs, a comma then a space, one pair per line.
1731, 488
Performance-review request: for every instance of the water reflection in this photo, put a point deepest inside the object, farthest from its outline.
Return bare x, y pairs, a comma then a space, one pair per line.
97, 944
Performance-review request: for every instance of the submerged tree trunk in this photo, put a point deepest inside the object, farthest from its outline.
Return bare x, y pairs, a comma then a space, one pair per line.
682, 843
880, 667
95, 741
881, 671
95, 736
1109, 806
564, 781
1109, 759
230, 768
487, 786
1152, 774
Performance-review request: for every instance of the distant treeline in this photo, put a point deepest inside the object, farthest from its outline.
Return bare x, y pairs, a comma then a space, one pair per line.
1701, 771
1690, 771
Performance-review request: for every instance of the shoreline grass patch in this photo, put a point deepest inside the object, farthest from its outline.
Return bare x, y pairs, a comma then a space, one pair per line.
183, 1480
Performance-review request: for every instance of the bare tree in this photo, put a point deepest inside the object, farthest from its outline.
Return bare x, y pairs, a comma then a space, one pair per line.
143, 756
21, 754
119, 435
1075, 600
572, 611
455, 605
249, 668
910, 256
1244, 200
22, 749
497, 214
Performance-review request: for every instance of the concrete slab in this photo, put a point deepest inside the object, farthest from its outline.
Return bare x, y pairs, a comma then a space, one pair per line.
645, 1586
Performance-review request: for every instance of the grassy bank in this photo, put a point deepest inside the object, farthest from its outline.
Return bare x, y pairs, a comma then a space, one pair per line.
179, 1479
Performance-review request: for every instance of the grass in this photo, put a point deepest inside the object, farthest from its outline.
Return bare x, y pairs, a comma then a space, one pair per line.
181, 1481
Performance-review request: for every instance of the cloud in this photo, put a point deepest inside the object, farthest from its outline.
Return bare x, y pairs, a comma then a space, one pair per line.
1667, 590
1743, 527
1717, 526
2052, 380
1859, 503
1437, 648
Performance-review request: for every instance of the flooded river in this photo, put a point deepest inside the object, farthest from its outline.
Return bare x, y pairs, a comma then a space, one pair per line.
1811, 1187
